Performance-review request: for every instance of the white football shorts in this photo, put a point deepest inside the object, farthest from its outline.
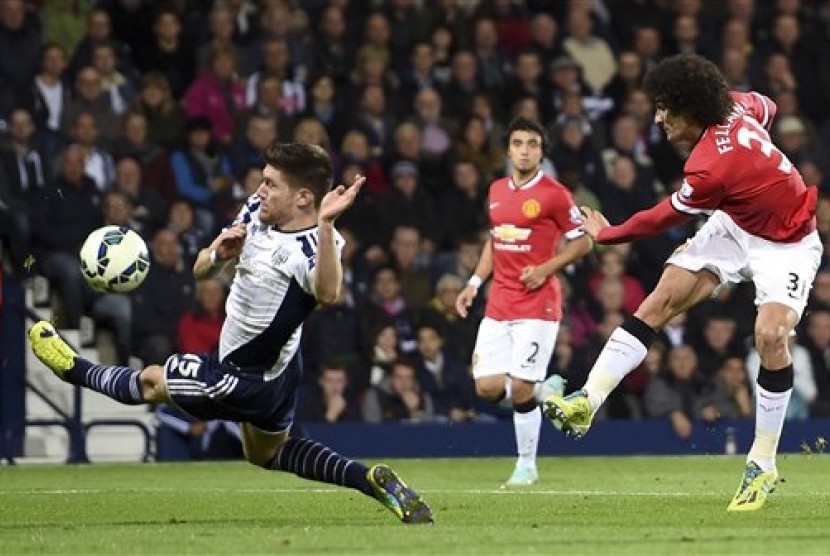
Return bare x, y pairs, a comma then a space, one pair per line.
519, 348
782, 272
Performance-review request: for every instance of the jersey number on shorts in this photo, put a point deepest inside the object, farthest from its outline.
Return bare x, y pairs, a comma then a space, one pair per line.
747, 137
531, 359
795, 287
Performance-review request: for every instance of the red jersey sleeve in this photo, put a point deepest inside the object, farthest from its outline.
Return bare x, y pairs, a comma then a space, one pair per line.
700, 193
761, 108
567, 215
645, 223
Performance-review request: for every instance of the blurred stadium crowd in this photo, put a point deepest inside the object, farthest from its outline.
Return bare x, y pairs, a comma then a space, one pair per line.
152, 115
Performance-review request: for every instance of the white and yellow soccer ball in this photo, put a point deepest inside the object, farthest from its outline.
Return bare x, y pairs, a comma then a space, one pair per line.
114, 259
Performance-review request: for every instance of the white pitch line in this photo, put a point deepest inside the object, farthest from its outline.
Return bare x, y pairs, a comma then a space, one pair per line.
500, 492
571, 492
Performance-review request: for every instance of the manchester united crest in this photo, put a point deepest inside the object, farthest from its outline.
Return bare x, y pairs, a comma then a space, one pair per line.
531, 208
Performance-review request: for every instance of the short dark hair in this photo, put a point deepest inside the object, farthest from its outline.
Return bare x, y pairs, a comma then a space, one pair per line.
428, 325
520, 123
105, 44
304, 166
402, 361
53, 46
691, 86
383, 267
334, 364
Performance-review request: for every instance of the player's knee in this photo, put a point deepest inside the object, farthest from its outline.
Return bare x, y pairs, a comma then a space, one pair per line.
522, 390
658, 309
152, 384
657, 304
262, 449
265, 458
490, 390
770, 338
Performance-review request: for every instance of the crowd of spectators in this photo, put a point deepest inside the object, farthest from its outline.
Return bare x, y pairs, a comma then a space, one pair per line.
152, 115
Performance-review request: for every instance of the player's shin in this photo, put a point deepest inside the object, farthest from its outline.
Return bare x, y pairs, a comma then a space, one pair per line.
527, 420
122, 384
311, 460
623, 352
773, 396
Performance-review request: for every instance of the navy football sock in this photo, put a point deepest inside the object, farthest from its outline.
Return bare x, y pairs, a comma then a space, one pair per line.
122, 384
311, 460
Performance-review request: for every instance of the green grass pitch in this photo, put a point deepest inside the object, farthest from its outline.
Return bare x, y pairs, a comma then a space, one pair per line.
632, 505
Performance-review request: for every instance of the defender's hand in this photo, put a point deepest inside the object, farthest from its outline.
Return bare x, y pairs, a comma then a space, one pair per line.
229, 243
339, 199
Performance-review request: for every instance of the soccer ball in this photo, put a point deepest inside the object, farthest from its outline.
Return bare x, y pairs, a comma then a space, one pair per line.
114, 259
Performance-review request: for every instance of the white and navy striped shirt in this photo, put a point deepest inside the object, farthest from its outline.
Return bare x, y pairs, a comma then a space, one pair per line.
271, 295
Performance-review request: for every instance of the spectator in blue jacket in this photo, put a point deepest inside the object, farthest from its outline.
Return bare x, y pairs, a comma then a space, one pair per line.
444, 377
201, 171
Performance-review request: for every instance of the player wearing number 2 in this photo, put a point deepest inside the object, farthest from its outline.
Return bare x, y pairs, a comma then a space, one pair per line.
529, 215
761, 227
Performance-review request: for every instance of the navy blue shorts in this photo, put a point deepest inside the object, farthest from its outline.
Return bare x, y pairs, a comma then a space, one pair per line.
207, 389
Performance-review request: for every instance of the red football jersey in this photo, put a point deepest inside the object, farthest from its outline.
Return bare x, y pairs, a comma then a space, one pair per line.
526, 226
734, 167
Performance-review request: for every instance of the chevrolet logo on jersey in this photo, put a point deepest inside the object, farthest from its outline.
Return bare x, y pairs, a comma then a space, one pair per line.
509, 233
